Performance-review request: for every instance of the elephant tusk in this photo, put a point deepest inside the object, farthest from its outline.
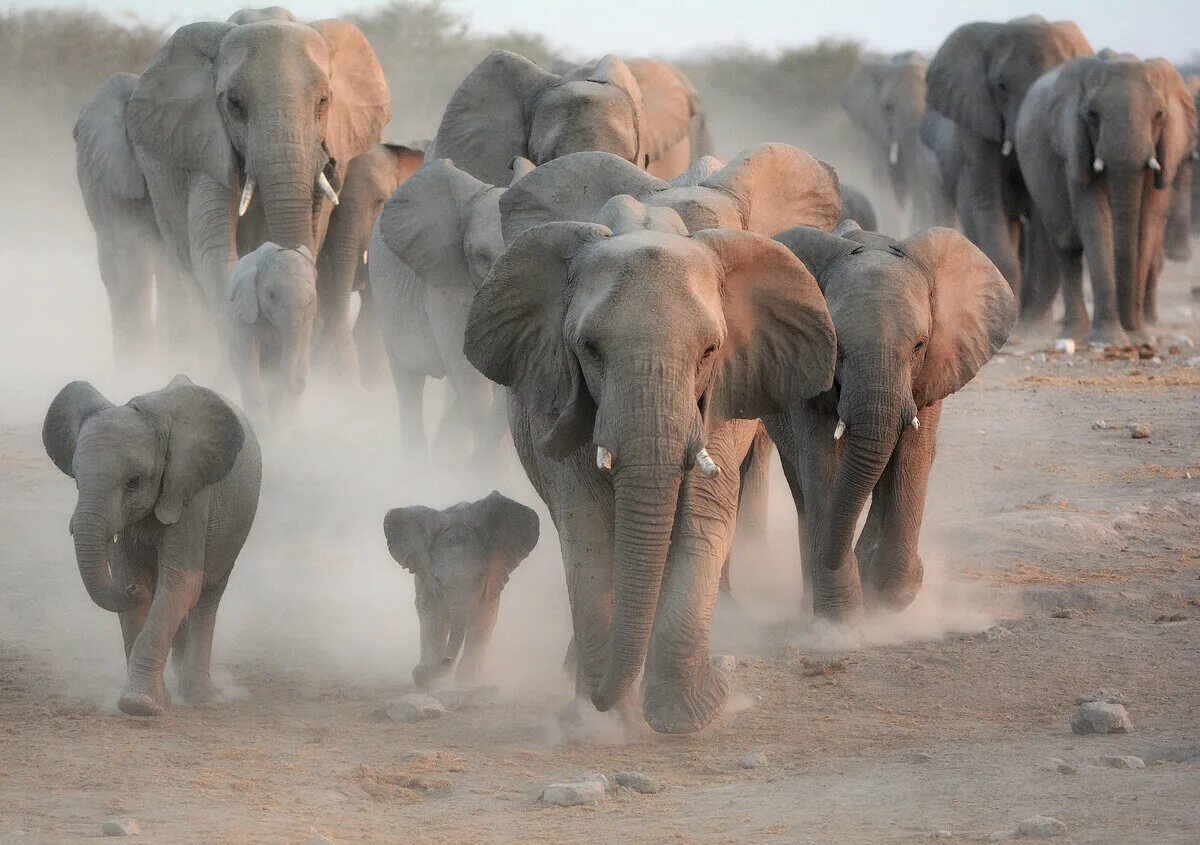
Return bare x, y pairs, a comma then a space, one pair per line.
114, 538
247, 195
603, 459
1154, 165
706, 464
894, 154
327, 189
916, 424
839, 430
1194, 155
365, 256
1006, 148
1098, 165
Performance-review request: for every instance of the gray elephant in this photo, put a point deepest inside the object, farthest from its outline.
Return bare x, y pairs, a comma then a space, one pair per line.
856, 207
462, 557
270, 111
273, 299
1102, 141
915, 320
168, 486
509, 107
1184, 219
885, 97
978, 78
638, 359
342, 264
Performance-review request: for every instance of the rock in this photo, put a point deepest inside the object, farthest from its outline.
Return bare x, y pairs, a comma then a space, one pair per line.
573, 794
467, 699
1171, 617
416, 707
994, 633
714, 769
639, 782
1100, 425
1040, 827
1001, 835
1194, 361
753, 760
725, 662
941, 834
1118, 761
917, 757
1111, 696
1065, 345
121, 827
1038, 357
1139, 431
597, 777
1101, 717
1068, 769
1067, 613
318, 839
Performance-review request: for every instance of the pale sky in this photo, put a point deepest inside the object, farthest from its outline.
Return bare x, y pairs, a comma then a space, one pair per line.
1169, 28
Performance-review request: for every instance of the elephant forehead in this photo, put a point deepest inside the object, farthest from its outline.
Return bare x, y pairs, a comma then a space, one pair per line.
880, 283
119, 439
289, 52
700, 207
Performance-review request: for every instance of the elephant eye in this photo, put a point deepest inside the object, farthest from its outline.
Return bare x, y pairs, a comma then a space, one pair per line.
589, 346
234, 105
920, 345
1001, 86
708, 353
133, 482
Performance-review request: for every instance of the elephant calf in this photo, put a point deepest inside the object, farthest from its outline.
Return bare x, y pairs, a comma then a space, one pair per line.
273, 296
168, 487
462, 557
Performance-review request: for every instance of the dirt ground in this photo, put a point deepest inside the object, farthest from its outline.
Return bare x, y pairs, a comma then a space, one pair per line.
1082, 543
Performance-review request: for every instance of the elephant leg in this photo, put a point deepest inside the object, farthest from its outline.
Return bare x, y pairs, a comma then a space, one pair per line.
132, 621
126, 269
246, 358
447, 312
1041, 275
479, 634
1095, 222
410, 393
586, 540
144, 693
368, 341
195, 679
1075, 316
792, 474
435, 631
984, 218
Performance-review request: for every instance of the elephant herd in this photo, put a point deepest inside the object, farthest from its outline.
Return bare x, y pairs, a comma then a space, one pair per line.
632, 314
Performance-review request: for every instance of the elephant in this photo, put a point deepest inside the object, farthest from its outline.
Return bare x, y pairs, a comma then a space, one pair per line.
634, 352
508, 107
342, 265
273, 297
271, 111
856, 207
462, 557
915, 320
266, 13
1102, 142
168, 486
885, 97
1184, 220
978, 78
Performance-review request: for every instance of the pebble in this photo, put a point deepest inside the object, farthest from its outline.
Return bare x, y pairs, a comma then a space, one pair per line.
1038, 357
573, 794
714, 769
639, 782
1139, 431
121, 827
725, 662
1068, 769
416, 707
1065, 345
994, 633
1066, 613
596, 777
1001, 835
753, 760
1118, 761
1040, 827
1194, 362
918, 757
1100, 425
941, 834
1101, 717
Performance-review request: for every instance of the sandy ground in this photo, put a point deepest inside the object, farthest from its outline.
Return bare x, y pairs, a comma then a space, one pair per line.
1082, 543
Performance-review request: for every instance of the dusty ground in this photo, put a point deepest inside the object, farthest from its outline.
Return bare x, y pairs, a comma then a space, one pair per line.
1032, 513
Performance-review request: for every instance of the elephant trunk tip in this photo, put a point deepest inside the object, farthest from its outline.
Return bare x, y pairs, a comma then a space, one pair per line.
603, 701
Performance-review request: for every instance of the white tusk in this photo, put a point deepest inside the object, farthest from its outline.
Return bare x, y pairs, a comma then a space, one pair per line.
1194, 155
327, 189
894, 154
1006, 148
706, 465
247, 195
1154, 165
365, 256
1098, 165
114, 538
916, 424
839, 430
603, 459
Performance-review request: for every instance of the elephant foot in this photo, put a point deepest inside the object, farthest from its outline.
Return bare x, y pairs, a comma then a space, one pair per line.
197, 690
1073, 329
139, 704
837, 596
579, 721
424, 675
896, 591
678, 706
1107, 334
1145, 342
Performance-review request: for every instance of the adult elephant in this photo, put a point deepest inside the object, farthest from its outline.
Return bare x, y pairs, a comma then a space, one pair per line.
509, 107
1102, 142
915, 320
885, 97
1184, 220
342, 265
270, 111
978, 78
856, 207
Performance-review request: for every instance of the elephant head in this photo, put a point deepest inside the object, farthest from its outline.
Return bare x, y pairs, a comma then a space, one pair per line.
266, 13
144, 459
886, 99
278, 287
640, 340
271, 106
982, 71
462, 557
915, 320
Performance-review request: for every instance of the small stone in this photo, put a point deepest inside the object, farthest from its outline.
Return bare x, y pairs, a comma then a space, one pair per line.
596, 777
725, 662
573, 794
1111, 696
1066, 613
994, 633
1194, 361
1139, 431
1101, 717
1171, 617
1068, 769
1001, 835
416, 707
941, 834
753, 760
1119, 761
121, 827
918, 757
639, 782
714, 769
1100, 425
1038, 357
1065, 345
1040, 827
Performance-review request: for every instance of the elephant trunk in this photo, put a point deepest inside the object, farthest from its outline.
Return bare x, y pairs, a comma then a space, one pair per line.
294, 352
286, 185
1125, 197
92, 529
458, 633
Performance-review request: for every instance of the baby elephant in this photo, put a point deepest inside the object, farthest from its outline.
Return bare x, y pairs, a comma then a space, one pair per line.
168, 486
273, 295
462, 557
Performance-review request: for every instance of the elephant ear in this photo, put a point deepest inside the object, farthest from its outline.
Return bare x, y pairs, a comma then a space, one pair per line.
669, 103
410, 533
973, 311
818, 249
173, 112
573, 187
863, 97
958, 83
778, 186
514, 332
64, 418
509, 528
701, 169
425, 221
243, 282
102, 148
204, 438
779, 348
484, 126
359, 104
1178, 137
